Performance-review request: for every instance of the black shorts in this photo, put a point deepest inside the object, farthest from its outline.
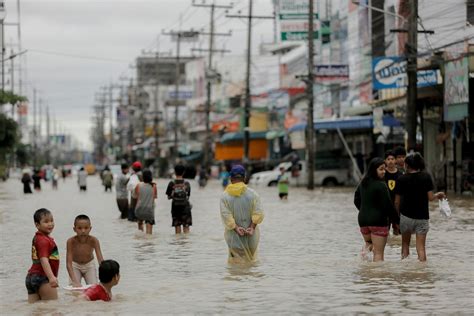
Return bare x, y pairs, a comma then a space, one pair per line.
282, 195
152, 222
82, 188
181, 215
33, 282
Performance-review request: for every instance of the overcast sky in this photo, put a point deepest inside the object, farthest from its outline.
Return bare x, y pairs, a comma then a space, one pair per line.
106, 36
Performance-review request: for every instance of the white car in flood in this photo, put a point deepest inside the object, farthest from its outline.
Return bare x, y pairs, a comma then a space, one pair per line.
269, 178
298, 175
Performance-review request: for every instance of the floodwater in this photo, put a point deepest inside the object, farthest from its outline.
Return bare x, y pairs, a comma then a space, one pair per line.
309, 261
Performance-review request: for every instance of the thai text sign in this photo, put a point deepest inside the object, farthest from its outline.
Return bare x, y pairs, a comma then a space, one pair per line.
331, 73
391, 72
293, 15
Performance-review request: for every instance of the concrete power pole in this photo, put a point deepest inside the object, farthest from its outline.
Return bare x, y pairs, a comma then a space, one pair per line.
411, 50
48, 154
179, 36
34, 130
248, 101
111, 118
209, 74
309, 91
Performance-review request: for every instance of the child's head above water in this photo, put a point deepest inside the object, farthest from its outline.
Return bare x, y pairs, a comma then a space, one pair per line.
82, 225
44, 221
109, 271
39, 214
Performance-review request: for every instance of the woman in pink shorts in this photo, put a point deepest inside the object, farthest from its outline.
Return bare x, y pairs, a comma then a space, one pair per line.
372, 199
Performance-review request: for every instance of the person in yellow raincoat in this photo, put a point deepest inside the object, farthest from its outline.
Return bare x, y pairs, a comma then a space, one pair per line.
241, 212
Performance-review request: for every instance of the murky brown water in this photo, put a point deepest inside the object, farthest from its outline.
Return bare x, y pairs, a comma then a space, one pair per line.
309, 258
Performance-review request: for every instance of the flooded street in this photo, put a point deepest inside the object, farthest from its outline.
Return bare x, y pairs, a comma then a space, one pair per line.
309, 259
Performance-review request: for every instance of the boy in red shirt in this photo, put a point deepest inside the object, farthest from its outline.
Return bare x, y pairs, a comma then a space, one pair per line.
41, 280
109, 276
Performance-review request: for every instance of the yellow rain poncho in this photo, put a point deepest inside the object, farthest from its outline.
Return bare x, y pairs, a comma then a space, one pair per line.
241, 206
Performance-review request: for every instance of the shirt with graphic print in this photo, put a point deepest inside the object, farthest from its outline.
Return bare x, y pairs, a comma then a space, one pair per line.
43, 246
391, 181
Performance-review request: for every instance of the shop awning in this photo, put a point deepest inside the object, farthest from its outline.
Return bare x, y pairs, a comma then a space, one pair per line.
229, 137
356, 122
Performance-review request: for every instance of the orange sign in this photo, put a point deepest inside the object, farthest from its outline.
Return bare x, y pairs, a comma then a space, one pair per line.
225, 126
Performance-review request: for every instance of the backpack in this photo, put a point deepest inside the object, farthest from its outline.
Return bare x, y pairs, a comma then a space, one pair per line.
179, 194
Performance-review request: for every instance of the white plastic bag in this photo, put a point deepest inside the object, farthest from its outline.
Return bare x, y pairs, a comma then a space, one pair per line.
444, 207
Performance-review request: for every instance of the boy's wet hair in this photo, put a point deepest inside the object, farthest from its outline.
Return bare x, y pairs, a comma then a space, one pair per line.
179, 169
389, 153
415, 161
147, 176
108, 269
124, 166
40, 213
81, 217
399, 151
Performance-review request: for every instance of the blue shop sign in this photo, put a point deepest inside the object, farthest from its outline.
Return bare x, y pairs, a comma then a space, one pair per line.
391, 72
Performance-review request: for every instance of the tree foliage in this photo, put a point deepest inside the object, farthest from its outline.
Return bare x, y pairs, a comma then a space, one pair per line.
8, 132
8, 97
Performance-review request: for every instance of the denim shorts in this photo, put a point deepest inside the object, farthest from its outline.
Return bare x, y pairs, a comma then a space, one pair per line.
417, 226
33, 282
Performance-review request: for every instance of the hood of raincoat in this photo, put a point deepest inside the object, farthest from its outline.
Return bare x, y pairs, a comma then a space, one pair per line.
236, 189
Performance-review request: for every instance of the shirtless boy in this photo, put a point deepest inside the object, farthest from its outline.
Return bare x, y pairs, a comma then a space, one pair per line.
79, 253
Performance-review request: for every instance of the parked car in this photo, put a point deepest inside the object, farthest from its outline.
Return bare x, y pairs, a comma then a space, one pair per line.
327, 173
269, 178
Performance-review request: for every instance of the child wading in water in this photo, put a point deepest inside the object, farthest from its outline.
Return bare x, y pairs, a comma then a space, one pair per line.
283, 184
41, 280
79, 253
179, 191
145, 193
109, 276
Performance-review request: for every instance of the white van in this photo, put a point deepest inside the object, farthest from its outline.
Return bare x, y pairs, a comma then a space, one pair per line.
298, 175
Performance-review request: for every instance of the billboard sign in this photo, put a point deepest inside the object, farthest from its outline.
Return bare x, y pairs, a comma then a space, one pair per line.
391, 72
331, 73
182, 94
293, 16
456, 89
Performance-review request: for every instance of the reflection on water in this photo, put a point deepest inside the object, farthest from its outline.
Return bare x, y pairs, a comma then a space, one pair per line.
308, 258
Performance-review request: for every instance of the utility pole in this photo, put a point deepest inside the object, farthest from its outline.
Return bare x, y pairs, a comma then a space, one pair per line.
156, 121
48, 156
12, 72
309, 91
2, 34
176, 91
20, 83
12, 82
209, 74
411, 51
34, 129
40, 121
111, 116
248, 101
180, 35
276, 9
